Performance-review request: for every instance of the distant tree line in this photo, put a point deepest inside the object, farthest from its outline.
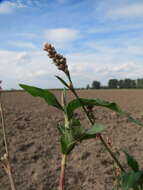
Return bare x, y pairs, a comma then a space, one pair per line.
115, 83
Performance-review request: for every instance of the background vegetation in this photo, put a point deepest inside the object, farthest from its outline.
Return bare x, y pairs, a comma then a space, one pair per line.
121, 83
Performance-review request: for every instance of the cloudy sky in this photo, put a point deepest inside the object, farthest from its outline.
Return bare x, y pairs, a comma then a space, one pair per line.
102, 39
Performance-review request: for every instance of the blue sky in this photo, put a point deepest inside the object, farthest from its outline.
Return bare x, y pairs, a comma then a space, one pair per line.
101, 40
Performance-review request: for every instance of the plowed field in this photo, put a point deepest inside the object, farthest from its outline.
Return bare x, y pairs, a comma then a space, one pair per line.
34, 142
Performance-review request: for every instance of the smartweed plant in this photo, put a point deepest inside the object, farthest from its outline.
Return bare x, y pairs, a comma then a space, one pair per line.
4, 159
72, 133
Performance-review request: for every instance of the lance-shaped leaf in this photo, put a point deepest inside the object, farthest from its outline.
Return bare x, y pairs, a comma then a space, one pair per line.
91, 133
62, 81
131, 180
48, 96
61, 129
75, 122
131, 119
74, 104
96, 128
77, 132
67, 142
132, 163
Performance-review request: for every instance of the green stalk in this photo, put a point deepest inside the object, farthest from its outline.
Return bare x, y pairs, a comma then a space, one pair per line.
64, 156
62, 175
111, 153
92, 122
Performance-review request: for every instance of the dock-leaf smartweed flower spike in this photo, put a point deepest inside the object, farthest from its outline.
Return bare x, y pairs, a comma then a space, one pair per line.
58, 59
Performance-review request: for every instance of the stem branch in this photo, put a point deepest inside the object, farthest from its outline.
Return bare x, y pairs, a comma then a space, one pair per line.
92, 122
111, 153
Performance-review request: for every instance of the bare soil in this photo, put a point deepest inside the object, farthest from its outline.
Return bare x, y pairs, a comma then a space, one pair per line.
34, 142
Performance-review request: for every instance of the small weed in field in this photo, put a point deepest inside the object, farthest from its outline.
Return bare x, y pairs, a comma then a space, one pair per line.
72, 133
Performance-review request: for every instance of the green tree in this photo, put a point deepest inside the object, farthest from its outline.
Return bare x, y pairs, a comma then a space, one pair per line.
140, 83
121, 83
96, 84
129, 83
113, 83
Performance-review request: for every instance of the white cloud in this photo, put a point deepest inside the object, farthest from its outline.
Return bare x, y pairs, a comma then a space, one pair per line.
115, 50
23, 58
34, 68
123, 45
110, 28
26, 67
8, 7
119, 69
28, 35
23, 44
106, 63
39, 73
61, 36
130, 10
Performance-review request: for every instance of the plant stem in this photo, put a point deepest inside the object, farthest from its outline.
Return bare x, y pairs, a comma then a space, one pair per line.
92, 122
3, 129
111, 153
8, 167
62, 175
11, 177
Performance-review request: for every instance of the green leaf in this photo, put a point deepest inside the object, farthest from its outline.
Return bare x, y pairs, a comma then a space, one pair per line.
74, 104
131, 180
61, 129
87, 137
96, 128
62, 81
131, 119
91, 133
80, 133
77, 132
75, 122
48, 96
67, 142
132, 162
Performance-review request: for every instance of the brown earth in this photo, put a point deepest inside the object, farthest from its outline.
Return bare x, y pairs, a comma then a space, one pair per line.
34, 142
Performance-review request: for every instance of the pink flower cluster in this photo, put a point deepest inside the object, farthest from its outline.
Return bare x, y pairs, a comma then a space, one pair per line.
58, 59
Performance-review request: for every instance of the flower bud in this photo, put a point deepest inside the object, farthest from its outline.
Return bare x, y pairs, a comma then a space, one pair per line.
58, 56
51, 55
47, 46
62, 67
